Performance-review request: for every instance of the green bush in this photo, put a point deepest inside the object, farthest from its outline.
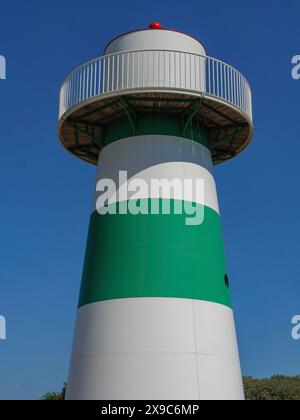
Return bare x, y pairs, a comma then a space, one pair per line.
55, 396
277, 388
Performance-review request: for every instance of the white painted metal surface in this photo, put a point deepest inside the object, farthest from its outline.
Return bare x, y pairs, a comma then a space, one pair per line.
163, 39
155, 70
163, 158
155, 348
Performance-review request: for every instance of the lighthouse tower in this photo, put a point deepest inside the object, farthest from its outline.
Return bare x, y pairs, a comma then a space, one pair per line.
155, 317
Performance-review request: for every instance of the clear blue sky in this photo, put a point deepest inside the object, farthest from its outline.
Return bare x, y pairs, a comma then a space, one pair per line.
43, 232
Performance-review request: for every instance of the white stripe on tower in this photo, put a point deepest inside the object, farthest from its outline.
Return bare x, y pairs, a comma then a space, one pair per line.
150, 158
155, 349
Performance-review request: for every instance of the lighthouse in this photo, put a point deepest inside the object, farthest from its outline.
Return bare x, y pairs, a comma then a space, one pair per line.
155, 318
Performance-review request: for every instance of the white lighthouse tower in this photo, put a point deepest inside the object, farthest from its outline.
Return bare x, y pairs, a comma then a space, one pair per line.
155, 318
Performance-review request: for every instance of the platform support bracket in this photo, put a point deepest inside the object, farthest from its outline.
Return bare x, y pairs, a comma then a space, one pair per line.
129, 112
227, 135
191, 111
88, 130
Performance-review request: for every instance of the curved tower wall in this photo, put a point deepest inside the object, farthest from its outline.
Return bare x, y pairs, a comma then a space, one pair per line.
155, 318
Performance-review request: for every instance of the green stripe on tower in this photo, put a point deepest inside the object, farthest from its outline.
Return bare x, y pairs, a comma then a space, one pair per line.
155, 124
131, 256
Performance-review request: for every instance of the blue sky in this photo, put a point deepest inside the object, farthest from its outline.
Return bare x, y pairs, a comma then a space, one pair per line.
46, 194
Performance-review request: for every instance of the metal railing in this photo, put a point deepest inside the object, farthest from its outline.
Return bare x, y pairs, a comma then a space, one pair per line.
157, 70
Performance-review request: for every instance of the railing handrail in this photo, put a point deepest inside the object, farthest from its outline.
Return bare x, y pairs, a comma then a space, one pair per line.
101, 57
229, 93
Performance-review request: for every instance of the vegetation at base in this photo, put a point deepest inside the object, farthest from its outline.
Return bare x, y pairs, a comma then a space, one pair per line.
55, 396
277, 388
